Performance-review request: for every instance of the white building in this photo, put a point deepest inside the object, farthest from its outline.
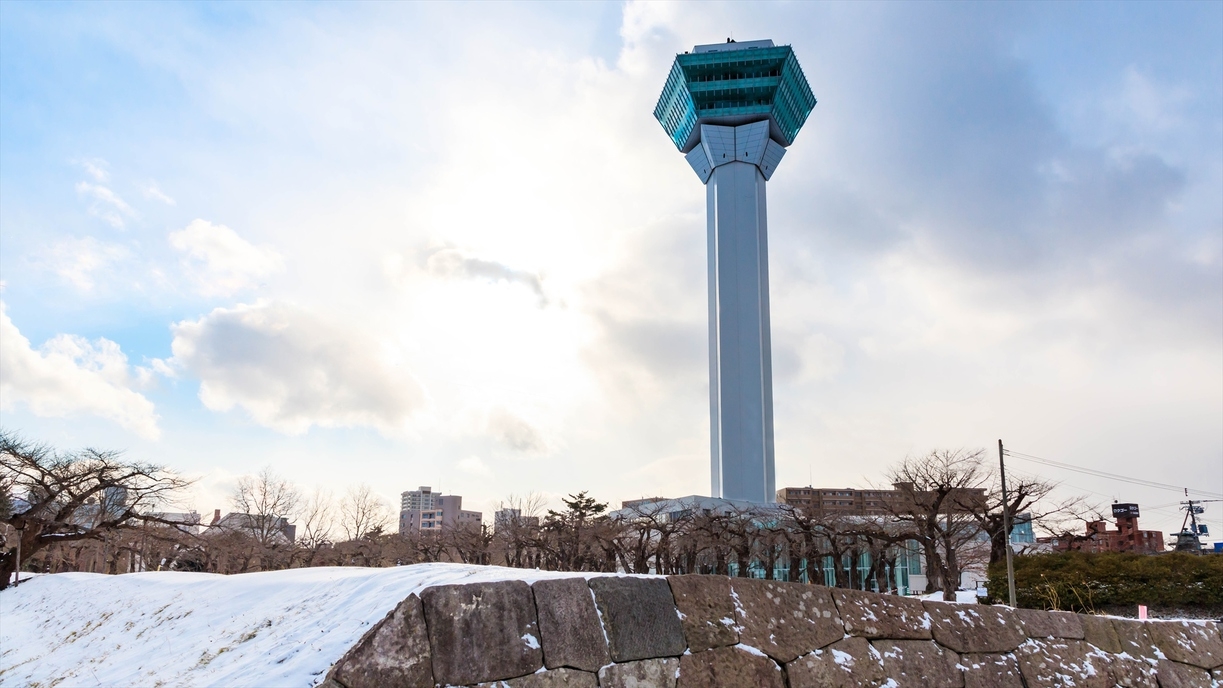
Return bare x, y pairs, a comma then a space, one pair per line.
415, 500
424, 510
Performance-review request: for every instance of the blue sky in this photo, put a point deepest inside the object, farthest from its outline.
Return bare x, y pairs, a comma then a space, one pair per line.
407, 244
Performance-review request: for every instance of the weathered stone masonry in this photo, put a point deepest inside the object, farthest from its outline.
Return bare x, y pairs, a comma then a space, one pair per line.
697, 631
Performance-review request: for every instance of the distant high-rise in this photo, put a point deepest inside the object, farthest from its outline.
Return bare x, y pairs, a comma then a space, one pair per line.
415, 500
426, 510
732, 108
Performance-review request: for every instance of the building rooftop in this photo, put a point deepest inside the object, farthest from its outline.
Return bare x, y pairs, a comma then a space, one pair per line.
732, 45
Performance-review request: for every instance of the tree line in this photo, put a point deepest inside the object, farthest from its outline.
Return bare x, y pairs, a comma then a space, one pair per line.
92, 510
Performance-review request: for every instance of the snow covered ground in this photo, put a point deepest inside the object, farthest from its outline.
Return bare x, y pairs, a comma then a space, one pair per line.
961, 596
280, 628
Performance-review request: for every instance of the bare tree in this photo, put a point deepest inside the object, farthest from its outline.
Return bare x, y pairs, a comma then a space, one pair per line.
530, 505
938, 495
363, 512
53, 497
264, 503
1025, 495
315, 520
516, 537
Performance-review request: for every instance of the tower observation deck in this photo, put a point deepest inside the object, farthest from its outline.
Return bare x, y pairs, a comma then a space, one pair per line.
732, 109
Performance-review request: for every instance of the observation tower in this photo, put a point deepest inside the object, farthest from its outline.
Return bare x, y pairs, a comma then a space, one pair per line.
732, 109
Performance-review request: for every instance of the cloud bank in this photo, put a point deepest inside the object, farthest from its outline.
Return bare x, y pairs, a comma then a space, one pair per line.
221, 263
291, 369
70, 375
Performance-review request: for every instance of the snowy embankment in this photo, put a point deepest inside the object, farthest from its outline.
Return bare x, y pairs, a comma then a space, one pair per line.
280, 628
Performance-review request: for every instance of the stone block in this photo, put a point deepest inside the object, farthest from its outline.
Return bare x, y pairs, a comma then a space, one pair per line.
647, 673
1129, 672
871, 615
991, 671
729, 666
482, 632
556, 678
847, 663
708, 610
919, 663
394, 652
1062, 663
1189, 642
974, 627
1177, 675
1134, 639
569, 626
640, 617
1038, 623
1100, 632
785, 620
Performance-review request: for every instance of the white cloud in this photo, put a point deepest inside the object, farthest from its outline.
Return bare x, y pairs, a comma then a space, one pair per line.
450, 262
97, 168
107, 205
70, 375
291, 369
514, 432
152, 191
806, 358
220, 262
1147, 103
473, 465
83, 262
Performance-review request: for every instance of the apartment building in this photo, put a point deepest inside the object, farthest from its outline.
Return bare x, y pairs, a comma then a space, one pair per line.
822, 502
424, 510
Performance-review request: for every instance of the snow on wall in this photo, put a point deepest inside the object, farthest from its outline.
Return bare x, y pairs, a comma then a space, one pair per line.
169, 628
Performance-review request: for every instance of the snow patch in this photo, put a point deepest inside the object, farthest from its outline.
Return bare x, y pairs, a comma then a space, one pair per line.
750, 650
200, 629
842, 658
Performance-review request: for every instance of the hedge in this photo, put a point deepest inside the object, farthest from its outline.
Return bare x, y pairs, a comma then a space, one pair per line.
1078, 581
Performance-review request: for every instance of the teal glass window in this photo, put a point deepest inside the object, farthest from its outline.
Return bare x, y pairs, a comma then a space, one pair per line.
734, 87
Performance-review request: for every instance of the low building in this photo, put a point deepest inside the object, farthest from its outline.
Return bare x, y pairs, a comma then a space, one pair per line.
1022, 534
187, 522
902, 570
268, 529
426, 511
1098, 538
507, 518
663, 508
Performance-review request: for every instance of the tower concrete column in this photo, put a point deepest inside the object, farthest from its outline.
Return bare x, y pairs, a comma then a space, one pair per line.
731, 108
732, 161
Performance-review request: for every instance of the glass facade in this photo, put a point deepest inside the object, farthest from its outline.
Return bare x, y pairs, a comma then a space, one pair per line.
736, 86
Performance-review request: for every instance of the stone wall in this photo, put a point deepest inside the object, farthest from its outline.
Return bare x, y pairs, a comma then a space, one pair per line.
680, 631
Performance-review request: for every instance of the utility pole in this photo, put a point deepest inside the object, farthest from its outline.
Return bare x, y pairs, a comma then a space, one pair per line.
1006, 527
17, 573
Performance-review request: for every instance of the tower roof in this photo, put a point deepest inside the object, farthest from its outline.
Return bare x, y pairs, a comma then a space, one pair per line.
732, 84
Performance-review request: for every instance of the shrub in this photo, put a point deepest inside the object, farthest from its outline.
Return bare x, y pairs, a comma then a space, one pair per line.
1078, 581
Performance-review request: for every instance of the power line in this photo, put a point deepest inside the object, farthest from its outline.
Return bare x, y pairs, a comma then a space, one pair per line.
1109, 476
